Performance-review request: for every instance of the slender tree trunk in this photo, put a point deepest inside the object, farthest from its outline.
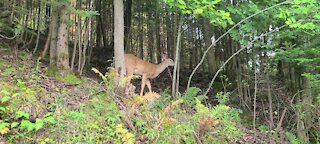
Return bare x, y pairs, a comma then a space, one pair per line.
150, 36
127, 24
86, 41
175, 81
38, 26
93, 21
183, 54
169, 31
212, 60
46, 46
75, 43
175, 24
80, 37
54, 35
105, 27
98, 24
141, 40
157, 33
48, 13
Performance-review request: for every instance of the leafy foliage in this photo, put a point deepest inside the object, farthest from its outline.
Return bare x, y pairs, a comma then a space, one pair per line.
101, 116
19, 120
200, 8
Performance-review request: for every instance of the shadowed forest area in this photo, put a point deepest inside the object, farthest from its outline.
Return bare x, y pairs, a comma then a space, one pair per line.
162, 71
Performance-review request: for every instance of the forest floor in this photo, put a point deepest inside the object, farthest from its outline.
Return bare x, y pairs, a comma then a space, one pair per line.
36, 107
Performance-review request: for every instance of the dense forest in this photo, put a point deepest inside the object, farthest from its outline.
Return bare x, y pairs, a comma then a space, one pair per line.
162, 71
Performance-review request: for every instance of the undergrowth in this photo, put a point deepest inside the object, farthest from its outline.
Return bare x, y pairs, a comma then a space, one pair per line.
183, 120
37, 108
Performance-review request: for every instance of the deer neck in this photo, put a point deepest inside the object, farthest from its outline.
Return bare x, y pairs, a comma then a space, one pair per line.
160, 68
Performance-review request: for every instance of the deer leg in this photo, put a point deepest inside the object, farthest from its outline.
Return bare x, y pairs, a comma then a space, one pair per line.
128, 73
149, 85
143, 84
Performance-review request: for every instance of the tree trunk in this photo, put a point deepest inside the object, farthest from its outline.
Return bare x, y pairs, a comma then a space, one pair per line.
99, 23
48, 13
62, 43
212, 60
150, 36
86, 41
38, 26
175, 81
54, 35
169, 31
157, 33
140, 48
119, 37
127, 24
75, 43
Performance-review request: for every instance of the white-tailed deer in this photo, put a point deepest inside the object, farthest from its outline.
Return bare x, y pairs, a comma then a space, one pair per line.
135, 65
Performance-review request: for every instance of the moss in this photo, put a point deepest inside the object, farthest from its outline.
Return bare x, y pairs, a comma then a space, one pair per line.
5, 68
63, 55
52, 71
21, 96
70, 78
24, 56
4, 47
7, 87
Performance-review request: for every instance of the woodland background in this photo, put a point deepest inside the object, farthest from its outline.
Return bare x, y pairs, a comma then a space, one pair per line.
257, 61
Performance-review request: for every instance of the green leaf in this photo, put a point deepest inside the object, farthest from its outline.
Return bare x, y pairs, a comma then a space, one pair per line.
308, 25
49, 120
198, 11
3, 124
20, 114
15, 95
5, 92
5, 99
14, 124
48, 114
181, 2
93, 126
39, 124
192, 92
3, 109
291, 20
27, 125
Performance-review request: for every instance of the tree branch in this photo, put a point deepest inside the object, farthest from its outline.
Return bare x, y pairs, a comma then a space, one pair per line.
233, 55
205, 53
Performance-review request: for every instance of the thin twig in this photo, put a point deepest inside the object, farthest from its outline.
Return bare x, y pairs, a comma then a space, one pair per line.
197, 138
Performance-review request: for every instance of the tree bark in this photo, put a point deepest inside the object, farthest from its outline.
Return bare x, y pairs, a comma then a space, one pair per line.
62, 43
98, 23
54, 35
127, 24
119, 37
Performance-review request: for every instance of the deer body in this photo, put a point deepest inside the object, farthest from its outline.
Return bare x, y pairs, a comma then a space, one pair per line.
135, 65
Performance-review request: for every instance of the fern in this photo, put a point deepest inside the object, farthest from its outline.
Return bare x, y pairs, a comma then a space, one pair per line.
190, 96
127, 137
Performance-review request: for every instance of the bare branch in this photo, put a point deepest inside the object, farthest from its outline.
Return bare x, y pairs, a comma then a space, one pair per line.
233, 55
10, 38
205, 53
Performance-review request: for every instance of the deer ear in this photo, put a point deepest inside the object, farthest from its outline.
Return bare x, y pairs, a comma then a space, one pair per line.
164, 56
